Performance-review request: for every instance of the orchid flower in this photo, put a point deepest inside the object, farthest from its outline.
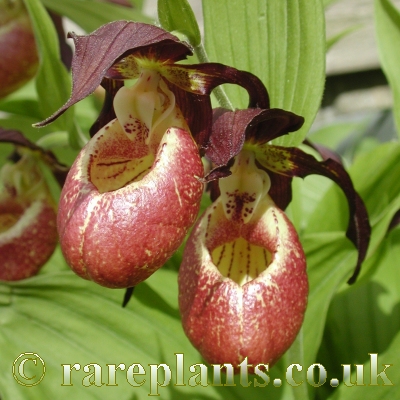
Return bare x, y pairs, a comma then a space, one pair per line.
28, 234
135, 188
19, 58
242, 284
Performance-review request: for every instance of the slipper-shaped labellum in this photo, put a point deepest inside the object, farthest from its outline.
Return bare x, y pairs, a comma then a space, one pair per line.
133, 191
28, 233
242, 283
19, 59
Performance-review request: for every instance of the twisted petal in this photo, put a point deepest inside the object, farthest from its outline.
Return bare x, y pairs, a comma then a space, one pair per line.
203, 78
292, 162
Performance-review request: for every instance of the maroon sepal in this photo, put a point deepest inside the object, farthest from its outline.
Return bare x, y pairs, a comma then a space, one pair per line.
291, 162
204, 78
281, 189
96, 53
192, 106
254, 125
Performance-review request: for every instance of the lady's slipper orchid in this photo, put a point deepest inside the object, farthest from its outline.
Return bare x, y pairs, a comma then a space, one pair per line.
242, 283
19, 59
28, 233
135, 188
125, 209
115, 220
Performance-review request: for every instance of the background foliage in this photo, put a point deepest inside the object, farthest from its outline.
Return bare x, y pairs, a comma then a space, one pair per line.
67, 320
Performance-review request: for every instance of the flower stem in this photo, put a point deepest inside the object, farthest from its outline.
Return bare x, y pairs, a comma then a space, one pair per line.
219, 92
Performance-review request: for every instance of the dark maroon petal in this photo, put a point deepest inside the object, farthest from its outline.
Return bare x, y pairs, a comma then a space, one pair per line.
203, 78
281, 189
228, 134
290, 162
97, 52
197, 112
15, 137
213, 189
218, 173
274, 123
255, 126
107, 113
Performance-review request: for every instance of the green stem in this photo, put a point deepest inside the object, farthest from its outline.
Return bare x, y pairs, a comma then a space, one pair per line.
219, 92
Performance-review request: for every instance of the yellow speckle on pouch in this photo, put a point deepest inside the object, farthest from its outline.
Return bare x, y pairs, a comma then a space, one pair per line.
177, 193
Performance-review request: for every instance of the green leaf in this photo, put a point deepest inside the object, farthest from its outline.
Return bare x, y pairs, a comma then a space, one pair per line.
330, 260
295, 355
365, 318
138, 4
307, 194
53, 83
23, 107
67, 320
339, 134
379, 187
387, 22
292, 161
373, 312
24, 124
327, 3
379, 389
282, 42
91, 14
178, 16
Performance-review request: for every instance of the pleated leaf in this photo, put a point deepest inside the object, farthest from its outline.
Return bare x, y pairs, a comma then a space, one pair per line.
330, 255
366, 319
387, 22
67, 320
178, 16
282, 42
330, 261
52, 81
